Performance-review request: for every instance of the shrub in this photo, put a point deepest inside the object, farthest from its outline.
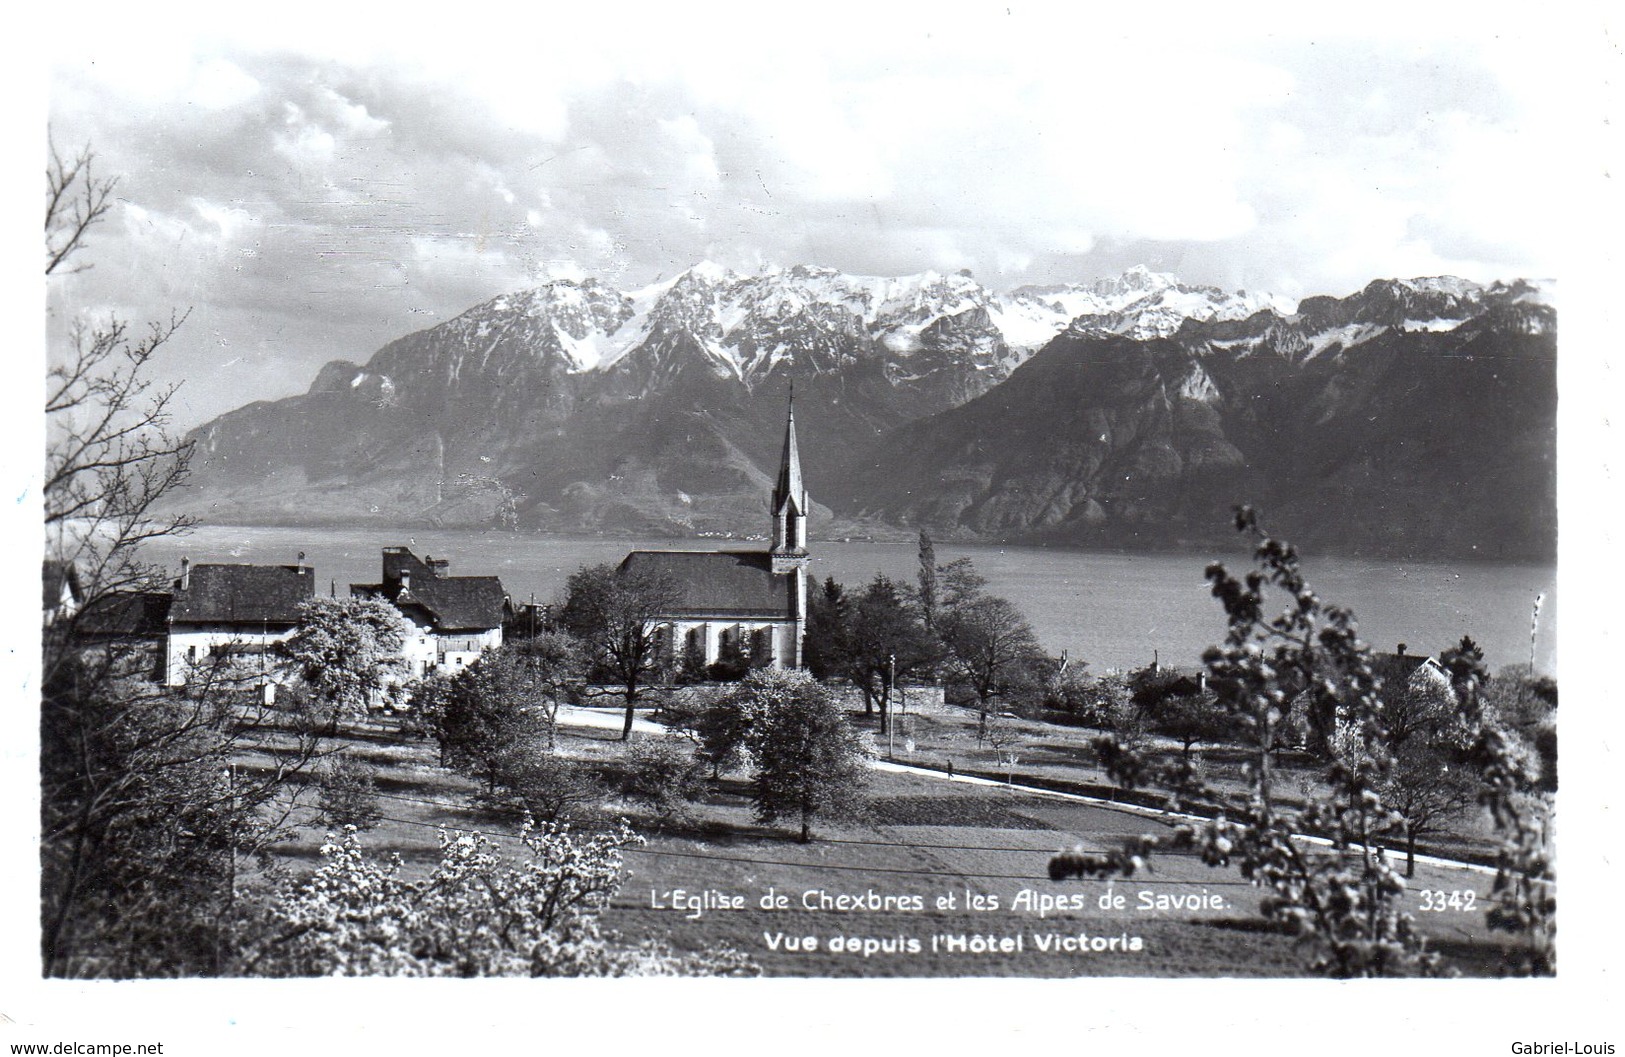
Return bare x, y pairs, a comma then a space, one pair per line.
349, 793
664, 774
549, 787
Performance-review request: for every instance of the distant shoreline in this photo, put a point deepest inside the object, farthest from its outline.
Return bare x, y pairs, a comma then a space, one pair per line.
882, 535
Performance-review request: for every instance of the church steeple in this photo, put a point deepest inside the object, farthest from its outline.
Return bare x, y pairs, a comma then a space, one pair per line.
790, 502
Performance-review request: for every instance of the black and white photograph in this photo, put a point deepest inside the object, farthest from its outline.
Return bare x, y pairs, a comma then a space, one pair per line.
974, 497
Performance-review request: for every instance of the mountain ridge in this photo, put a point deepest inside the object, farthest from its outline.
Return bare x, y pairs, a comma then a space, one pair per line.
574, 406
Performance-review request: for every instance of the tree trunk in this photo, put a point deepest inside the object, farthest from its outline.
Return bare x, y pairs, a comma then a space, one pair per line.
626, 731
1410, 852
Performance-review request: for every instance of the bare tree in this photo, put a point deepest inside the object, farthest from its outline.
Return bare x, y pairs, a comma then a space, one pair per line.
109, 456
75, 201
617, 614
988, 645
146, 806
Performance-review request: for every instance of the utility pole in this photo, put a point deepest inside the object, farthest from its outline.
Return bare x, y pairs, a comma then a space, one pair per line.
885, 713
1534, 629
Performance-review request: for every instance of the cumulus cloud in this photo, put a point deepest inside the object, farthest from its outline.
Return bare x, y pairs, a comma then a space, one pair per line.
311, 205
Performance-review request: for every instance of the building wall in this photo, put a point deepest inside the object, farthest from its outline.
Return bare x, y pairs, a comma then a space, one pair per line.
191, 646
426, 651
782, 637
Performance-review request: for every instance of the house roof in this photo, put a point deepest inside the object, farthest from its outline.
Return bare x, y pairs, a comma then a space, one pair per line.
1396, 668
126, 614
59, 575
459, 602
452, 603
719, 583
243, 594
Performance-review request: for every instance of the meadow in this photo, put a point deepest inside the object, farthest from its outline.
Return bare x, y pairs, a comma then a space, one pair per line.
942, 878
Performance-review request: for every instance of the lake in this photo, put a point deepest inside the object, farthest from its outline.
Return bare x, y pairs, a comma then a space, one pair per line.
1109, 609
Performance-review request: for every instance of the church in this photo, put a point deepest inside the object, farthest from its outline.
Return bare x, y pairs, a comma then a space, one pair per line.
752, 601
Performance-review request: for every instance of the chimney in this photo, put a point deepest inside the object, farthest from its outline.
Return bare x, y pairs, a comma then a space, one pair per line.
301, 563
406, 581
438, 567
186, 574
1402, 649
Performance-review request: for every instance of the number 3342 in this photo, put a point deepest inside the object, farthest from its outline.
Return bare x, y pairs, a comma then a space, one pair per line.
1440, 900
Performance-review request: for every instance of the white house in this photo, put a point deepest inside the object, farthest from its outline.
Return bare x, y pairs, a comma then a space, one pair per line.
234, 611
454, 618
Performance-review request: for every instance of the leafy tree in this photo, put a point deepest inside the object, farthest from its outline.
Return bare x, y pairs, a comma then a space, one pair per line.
347, 651
1525, 706
719, 727
885, 641
692, 668
988, 646
616, 613
928, 580
1343, 900
549, 670
479, 913
485, 716
1176, 709
827, 648
809, 761
348, 794
664, 774
732, 662
544, 785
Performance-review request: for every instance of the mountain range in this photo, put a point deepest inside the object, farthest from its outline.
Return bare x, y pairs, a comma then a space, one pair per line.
1413, 417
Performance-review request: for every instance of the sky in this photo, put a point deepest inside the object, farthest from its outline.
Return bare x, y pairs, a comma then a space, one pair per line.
313, 185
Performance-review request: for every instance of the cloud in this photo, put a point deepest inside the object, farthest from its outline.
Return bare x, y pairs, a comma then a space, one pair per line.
312, 204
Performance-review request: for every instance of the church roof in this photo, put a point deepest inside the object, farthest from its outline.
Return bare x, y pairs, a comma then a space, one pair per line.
720, 583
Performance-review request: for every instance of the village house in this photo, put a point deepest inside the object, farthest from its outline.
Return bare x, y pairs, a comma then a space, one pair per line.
132, 624
62, 591
1417, 672
755, 601
454, 618
235, 612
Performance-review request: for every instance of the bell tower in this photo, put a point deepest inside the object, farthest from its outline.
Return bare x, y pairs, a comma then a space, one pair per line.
789, 550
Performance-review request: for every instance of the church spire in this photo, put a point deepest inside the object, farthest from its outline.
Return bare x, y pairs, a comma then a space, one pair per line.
789, 487
790, 501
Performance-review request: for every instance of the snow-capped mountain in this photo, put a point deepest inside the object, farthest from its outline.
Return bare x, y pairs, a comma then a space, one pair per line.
574, 405
1414, 417
1139, 304
747, 328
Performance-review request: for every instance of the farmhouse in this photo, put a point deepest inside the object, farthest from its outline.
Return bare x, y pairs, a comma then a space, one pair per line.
454, 618
754, 602
63, 594
237, 611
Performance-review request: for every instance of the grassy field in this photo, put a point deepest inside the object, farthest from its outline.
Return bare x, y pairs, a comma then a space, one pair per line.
942, 879
945, 737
